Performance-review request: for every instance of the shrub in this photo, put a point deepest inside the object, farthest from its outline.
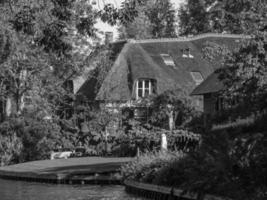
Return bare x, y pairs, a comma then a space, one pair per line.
10, 149
39, 138
145, 167
149, 140
222, 166
174, 103
28, 138
125, 141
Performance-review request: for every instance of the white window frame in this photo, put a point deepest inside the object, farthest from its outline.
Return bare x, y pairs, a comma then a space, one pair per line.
143, 88
186, 53
169, 62
190, 55
195, 79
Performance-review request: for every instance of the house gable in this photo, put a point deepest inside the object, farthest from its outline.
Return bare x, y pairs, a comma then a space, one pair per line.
116, 85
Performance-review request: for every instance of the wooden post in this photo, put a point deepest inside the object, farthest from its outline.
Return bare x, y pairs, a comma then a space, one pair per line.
164, 144
170, 114
138, 152
8, 106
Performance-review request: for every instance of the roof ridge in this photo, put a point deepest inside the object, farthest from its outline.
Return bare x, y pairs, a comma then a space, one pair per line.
190, 38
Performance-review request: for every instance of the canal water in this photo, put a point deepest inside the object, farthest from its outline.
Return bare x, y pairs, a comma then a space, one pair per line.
19, 190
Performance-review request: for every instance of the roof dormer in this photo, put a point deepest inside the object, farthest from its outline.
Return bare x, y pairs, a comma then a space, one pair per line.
197, 77
186, 53
168, 60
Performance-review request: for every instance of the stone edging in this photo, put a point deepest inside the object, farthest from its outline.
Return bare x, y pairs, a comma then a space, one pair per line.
79, 179
152, 191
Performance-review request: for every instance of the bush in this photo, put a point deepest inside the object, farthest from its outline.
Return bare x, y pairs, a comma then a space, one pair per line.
124, 141
171, 102
10, 149
150, 140
28, 138
145, 167
39, 138
222, 166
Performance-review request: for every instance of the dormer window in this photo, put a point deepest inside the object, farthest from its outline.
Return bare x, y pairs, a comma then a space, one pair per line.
186, 53
197, 77
189, 54
167, 59
145, 87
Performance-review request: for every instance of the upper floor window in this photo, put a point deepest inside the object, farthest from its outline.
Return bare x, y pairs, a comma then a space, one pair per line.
145, 87
197, 77
27, 100
23, 75
167, 59
186, 53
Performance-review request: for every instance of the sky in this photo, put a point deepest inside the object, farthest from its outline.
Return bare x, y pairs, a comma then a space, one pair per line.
107, 28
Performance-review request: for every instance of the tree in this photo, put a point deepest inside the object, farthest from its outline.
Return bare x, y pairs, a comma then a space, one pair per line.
230, 16
41, 54
41, 51
245, 75
204, 16
244, 71
153, 19
10, 148
140, 28
171, 109
162, 17
193, 18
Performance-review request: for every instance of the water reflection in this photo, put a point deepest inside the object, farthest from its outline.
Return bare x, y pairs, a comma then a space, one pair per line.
17, 190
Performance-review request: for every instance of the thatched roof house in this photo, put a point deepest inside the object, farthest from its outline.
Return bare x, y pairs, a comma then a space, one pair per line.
144, 67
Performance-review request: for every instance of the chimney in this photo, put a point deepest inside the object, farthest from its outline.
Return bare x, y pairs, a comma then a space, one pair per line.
108, 37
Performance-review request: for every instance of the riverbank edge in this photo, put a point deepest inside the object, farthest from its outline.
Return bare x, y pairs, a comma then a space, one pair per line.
162, 192
81, 171
100, 179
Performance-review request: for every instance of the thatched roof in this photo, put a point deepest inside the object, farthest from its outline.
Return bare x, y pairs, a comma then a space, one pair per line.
87, 90
142, 59
211, 85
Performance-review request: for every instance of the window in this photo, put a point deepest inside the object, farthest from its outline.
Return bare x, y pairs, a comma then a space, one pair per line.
197, 77
167, 59
23, 75
145, 87
27, 100
186, 53
219, 104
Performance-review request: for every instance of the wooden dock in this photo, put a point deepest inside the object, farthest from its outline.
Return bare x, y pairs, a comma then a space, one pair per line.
86, 170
